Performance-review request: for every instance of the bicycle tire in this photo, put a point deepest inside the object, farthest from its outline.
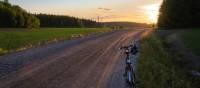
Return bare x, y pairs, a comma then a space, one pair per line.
130, 77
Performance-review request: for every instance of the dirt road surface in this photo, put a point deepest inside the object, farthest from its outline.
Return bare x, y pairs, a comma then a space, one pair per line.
90, 62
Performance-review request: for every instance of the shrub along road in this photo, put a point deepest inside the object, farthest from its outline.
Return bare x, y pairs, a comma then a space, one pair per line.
92, 62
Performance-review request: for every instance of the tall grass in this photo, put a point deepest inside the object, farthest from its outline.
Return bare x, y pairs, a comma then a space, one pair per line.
191, 39
158, 69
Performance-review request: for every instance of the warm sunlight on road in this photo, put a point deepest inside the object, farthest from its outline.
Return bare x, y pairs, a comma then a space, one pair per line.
152, 11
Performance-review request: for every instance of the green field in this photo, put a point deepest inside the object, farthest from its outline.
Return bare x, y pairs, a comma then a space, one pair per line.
192, 40
13, 40
157, 68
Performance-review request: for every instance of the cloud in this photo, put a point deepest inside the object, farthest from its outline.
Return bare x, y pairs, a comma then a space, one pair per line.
111, 17
105, 9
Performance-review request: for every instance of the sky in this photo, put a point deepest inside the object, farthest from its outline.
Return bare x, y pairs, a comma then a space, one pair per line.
143, 11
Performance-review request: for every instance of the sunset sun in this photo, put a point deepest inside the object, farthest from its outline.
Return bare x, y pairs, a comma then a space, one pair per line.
152, 11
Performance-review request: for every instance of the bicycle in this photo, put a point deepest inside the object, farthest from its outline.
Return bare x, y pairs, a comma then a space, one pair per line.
129, 72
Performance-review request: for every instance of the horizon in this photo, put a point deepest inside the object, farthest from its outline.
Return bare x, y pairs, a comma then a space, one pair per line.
140, 11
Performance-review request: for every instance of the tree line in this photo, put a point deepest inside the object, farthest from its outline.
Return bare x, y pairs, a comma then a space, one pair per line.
13, 16
124, 24
64, 21
179, 14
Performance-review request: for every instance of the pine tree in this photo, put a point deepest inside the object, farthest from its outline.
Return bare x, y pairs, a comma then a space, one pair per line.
179, 14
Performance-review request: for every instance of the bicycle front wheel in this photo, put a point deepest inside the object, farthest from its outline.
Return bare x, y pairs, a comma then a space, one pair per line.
131, 79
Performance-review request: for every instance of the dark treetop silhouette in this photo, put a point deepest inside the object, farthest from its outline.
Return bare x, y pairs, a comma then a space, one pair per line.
179, 14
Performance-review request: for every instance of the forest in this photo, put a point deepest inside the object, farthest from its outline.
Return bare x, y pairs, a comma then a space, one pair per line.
65, 21
13, 16
179, 14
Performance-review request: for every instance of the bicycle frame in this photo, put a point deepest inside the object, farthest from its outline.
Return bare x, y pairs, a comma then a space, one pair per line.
129, 73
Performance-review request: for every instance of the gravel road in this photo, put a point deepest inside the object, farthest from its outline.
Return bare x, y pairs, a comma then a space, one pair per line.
90, 62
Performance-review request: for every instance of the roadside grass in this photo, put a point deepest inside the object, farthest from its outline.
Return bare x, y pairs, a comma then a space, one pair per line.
158, 69
191, 39
19, 40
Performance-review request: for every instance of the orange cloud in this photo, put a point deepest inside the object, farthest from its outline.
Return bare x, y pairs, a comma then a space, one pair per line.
106, 9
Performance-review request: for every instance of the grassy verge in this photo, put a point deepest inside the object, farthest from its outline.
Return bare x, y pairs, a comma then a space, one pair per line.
20, 40
158, 69
191, 39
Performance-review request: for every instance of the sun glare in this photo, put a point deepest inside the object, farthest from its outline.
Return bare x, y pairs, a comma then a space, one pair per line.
152, 12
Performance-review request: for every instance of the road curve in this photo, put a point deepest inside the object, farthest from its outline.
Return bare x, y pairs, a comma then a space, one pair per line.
91, 62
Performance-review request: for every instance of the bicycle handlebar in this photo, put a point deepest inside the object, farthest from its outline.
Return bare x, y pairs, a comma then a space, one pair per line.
126, 47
